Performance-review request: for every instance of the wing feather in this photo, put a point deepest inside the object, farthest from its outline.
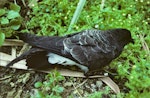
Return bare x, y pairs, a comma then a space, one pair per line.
49, 43
90, 45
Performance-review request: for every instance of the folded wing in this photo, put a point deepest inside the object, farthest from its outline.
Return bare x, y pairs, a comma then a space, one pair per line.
91, 47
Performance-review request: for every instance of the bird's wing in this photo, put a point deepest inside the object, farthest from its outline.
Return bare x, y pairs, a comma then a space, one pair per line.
48, 43
52, 44
90, 46
38, 60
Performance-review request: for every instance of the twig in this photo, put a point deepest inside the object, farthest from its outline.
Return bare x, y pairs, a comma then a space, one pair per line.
76, 89
13, 42
102, 4
13, 51
7, 77
24, 3
81, 83
15, 2
24, 48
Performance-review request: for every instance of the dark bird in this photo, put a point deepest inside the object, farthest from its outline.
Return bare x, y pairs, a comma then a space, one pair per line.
90, 50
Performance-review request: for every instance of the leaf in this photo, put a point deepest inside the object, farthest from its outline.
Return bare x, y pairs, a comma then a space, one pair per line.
2, 12
15, 24
39, 94
2, 38
32, 3
15, 7
4, 21
58, 89
76, 13
12, 14
38, 84
15, 27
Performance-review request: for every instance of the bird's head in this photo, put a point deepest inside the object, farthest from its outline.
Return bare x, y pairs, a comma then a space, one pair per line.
123, 35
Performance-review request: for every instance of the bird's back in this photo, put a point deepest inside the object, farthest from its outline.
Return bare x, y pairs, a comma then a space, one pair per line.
93, 47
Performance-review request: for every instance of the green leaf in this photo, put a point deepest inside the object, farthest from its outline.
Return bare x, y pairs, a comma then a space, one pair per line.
12, 14
15, 24
2, 12
2, 38
15, 27
39, 94
58, 89
15, 7
4, 20
38, 84
76, 13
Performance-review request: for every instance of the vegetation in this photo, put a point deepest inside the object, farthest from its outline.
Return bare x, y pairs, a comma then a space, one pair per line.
49, 88
10, 20
53, 18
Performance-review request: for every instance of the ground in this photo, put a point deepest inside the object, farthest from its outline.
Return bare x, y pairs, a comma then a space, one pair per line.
20, 83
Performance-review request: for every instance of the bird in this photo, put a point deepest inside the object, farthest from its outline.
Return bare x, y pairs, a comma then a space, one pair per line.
89, 50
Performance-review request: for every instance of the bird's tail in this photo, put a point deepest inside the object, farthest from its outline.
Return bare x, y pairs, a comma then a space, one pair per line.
24, 56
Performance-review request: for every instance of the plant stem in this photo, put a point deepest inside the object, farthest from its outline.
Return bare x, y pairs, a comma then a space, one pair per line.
102, 4
76, 14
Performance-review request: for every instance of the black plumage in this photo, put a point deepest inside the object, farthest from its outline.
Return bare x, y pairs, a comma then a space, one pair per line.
89, 50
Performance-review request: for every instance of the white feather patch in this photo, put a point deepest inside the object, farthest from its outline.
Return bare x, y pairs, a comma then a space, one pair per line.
57, 59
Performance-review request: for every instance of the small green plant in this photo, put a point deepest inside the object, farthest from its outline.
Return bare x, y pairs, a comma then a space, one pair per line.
49, 88
101, 94
10, 20
2, 38
51, 18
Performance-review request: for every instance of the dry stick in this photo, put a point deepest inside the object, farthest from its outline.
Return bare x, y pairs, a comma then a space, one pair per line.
13, 51
24, 48
1, 79
81, 83
15, 2
111, 84
24, 3
13, 42
76, 90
